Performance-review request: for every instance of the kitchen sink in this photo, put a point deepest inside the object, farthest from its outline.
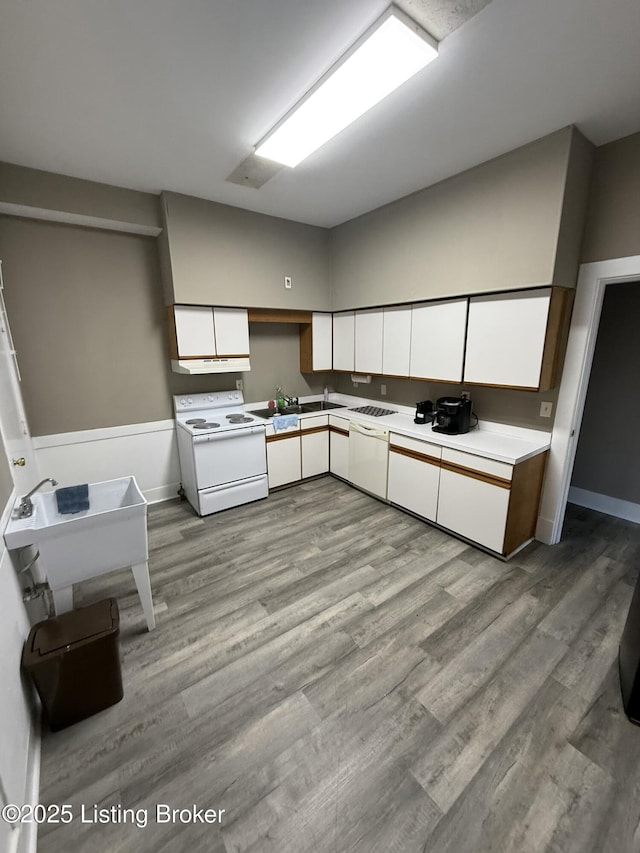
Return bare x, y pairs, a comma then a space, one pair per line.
316, 406
321, 406
272, 413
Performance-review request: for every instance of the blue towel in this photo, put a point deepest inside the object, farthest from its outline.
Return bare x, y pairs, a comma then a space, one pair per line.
73, 499
284, 421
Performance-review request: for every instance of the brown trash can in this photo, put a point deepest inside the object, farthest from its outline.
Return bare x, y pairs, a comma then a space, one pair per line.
74, 661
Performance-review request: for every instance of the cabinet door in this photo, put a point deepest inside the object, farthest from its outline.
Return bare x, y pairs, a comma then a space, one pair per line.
315, 453
194, 331
506, 338
344, 341
368, 335
474, 497
283, 460
322, 341
437, 340
339, 450
231, 331
396, 341
414, 475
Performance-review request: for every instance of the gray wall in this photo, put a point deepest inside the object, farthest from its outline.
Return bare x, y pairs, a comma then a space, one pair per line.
222, 255
275, 360
88, 323
608, 454
33, 188
494, 227
613, 221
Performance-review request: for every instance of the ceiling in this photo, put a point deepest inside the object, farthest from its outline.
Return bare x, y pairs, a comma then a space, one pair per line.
174, 94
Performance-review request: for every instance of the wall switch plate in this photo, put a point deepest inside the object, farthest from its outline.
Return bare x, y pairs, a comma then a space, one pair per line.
287, 282
383, 390
239, 385
545, 410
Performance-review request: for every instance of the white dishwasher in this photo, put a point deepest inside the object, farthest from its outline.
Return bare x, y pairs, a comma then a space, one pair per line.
369, 458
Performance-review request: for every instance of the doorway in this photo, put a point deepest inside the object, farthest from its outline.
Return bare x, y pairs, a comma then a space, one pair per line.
606, 471
592, 283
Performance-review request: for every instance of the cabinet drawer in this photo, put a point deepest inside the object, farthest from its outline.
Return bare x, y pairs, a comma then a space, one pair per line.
272, 435
412, 447
476, 466
338, 425
316, 424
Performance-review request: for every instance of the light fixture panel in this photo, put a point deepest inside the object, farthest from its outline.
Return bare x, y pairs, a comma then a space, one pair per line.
388, 54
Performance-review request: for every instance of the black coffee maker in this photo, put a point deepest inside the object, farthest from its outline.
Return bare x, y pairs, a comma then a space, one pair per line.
424, 412
452, 415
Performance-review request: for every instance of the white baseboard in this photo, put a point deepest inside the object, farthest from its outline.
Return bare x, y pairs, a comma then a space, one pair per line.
148, 451
605, 503
544, 530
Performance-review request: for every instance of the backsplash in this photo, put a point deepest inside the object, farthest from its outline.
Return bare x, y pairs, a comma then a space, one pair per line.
503, 405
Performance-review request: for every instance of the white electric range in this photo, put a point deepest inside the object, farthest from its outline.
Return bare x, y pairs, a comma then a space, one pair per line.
222, 450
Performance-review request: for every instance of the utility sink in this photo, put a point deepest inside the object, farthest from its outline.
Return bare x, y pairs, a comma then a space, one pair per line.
110, 535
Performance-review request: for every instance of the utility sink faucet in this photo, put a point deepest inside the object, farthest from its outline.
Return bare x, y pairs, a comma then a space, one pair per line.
25, 509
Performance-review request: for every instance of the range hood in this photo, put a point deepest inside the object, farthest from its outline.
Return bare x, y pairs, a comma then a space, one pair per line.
211, 365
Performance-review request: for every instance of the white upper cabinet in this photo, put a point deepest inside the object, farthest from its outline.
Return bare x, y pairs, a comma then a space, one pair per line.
194, 331
437, 340
506, 338
205, 332
344, 341
322, 341
231, 331
396, 341
368, 335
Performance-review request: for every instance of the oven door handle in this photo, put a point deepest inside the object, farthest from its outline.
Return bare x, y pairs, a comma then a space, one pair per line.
231, 433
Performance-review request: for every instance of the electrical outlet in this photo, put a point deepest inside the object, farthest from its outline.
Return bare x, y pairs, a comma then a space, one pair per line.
239, 385
287, 282
545, 410
383, 390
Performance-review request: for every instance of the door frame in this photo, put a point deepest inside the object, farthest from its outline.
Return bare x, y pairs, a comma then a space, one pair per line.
593, 278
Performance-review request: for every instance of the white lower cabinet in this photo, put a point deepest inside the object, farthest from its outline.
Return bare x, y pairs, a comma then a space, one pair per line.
338, 447
284, 459
414, 475
314, 439
474, 498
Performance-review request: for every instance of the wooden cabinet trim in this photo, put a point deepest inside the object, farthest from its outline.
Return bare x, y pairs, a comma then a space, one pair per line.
312, 430
278, 315
282, 436
414, 454
558, 307
338, 430
476, 475
524, 501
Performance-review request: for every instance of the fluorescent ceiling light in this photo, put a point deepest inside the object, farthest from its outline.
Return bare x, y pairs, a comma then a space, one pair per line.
388, 54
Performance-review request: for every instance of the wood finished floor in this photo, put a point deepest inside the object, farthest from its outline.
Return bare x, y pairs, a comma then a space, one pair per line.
342, 678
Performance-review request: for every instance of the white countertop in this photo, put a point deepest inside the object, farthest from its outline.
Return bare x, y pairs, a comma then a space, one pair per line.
501, 442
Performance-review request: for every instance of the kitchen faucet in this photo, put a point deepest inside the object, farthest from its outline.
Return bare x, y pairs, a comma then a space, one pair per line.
25, 510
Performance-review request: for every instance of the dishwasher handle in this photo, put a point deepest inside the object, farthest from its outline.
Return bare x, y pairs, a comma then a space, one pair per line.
370, 431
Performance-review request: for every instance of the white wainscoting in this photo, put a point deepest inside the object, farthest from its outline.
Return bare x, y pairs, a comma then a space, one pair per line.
148, 451
605, 503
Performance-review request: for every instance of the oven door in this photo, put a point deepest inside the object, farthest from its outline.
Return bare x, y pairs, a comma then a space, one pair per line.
227, 457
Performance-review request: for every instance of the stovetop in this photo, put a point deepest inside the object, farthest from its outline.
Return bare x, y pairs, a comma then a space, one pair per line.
219, 411
374, 411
